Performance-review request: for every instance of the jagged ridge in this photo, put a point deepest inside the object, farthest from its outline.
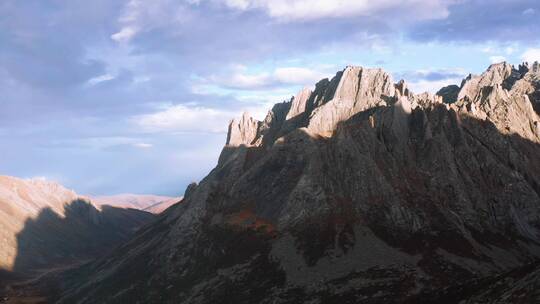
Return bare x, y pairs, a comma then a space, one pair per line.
356, 192
356, 89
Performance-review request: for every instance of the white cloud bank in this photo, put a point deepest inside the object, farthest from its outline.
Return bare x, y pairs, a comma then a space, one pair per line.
290, 10
531, 55
182, 118
432, 86
497, 59
125, 34
239, 78
193, 118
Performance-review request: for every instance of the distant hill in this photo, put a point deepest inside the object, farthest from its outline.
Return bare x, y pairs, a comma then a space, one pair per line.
44, 224
147, 202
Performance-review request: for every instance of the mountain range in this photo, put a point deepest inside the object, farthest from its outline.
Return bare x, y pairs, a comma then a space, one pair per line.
44, 225
355, 191
146, 202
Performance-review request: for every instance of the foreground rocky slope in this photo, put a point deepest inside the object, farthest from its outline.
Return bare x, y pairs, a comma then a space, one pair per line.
43, 225
356, 192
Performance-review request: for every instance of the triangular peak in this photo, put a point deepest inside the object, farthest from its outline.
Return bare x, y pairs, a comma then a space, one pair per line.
299, 102
242, 131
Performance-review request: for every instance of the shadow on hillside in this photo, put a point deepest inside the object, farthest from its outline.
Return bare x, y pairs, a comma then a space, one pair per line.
83, 233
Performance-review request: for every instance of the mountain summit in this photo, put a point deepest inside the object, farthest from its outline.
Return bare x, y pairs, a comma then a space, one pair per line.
358, 191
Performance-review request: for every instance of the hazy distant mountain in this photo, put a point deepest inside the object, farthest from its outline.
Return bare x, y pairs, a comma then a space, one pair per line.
43, 224
356, 192
163, 205
146, 202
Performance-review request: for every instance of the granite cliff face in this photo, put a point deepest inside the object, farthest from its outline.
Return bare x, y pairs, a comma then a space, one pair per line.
357, 191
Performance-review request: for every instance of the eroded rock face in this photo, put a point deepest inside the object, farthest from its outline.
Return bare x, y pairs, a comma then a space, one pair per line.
368, 194
510, 109
298, 103
359, 89
449, 93
242, 131
495, 74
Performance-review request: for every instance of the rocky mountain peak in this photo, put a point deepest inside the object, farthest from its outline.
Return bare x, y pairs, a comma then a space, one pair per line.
242, 131
506, 96
350, 91
401, 89
495, 74
298, 103
366, 192
499, 90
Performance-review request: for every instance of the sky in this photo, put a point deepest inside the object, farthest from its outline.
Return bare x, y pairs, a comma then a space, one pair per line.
134, 96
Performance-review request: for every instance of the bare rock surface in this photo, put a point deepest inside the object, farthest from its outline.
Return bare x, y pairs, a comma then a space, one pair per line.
299, 103
367, 194
242, 131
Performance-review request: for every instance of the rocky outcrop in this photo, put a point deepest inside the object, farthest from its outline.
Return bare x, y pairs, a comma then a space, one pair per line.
473, 85
449, 93
242, 131
512, 109
359, 89
371, 194
298, 103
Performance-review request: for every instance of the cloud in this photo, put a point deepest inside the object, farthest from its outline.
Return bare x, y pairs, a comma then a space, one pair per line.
509, 50
479, 20
529, 11
125, 34
207, 35
240, 79
182, 118
143, 145
141, 16
431, 80
432, 75
43, 45
101, 78
84, 79
292, 10
432, 86
497, 59
531, 55
298, 75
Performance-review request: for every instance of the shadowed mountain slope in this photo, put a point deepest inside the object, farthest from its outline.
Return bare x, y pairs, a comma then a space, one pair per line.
82, 233
21, 199
44, 225
358, 191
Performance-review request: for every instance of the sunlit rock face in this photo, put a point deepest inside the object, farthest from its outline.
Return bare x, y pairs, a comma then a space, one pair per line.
358, 191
